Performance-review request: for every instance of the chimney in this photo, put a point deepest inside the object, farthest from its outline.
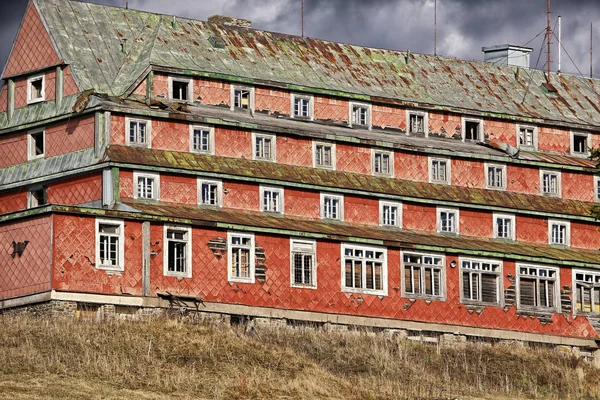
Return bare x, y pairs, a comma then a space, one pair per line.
507, 54
231, 21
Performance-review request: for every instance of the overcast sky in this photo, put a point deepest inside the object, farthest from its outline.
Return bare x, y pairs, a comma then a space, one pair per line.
464, 26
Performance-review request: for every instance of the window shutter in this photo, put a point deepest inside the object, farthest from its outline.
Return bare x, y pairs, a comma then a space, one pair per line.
527, 292
489, 288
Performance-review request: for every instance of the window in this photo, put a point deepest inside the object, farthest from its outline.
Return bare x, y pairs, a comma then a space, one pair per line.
360, 115
537, 287
550, 183
417, 123
324, 155
472, 129
303, 258
527, 136
271, 199
181, 89
332, 206
178, 251
390, 214
480, 281
364, 269
36, 88
210, 193
302, 106
580, 143
138, 132
242, 98
447, 220
439, 170
495, 176
597, 188
202, 139
264, 147
587, 292
240, 257
147, 186
423, 276
37, 197
504, 226
36, 144
383, 162
559, 232
110, 244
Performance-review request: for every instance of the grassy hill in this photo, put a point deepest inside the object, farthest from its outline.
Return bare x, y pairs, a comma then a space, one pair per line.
165, 359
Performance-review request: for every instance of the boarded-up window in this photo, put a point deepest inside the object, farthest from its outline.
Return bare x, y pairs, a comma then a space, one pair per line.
422, 275
587, 292
537, 287
480, 281
364, 268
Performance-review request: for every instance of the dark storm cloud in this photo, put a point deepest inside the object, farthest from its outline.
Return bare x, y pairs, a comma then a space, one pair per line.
464, 26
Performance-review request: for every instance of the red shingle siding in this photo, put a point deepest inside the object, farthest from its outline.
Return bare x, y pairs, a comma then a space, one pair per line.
170, 135
141, 89
361, 210
468, 173
302, 203
77, 134
77, 190
13, 149
554, 139
240, 195
410, 166
577, 186
272, 101
233, 143
4, 98
70, 87
388, 117
523, 179
161, 85
117, 129
531, 229
501, 131
212, 92
178, 189
13, 201
585, 235
353, 158
294, 151
419, 217
334, 110
476, 223
445, 124
126, 184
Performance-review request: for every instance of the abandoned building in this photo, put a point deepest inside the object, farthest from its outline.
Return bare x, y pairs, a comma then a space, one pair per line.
150, 161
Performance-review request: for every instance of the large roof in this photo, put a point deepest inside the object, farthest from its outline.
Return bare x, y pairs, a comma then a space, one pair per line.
110, 48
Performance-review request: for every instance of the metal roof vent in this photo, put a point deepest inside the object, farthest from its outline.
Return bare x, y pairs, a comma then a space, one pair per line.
506, 54
231, 21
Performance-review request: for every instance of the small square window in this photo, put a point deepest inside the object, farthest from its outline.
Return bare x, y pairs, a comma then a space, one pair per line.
390, 214
324, 155
447, 220
181, 89
472, 129
37, 197
302, 106
504, 226
36, 87
147, 186
110, 244
417, 123
383, 162
303, 260
36, 143
264, 147
559, 232
138, 132
495, 176
271, 199
202, 140
360, 115
580, 143
332, 207
242, 98
240, 257
439, 170
550, 183
210, 193
527, 136
177, 259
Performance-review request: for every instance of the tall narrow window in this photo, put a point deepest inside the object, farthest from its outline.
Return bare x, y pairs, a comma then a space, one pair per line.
504, 226
147, 186
527, 136
36, 87
587, 292
382, 163
324, 155
364, 269
264, 147
390, 214
302, 106
332, 206
177, 255
360, 115
480, 281
559, 232
180, 89
495, 176
109, 244
416, 123
138, 132
439, 170
36, 143
550, 183
447, 220
423, 276
202, 140
271, 199
37, 197
303, 263
209, 193
537, 287
241, 263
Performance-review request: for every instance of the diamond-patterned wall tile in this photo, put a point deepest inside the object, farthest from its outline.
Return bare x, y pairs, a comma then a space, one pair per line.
501, 131
117, 129
13, 149
30, 272
476, 223
13, 201
353, 158
233, 143
531, 229
20, 92
419, 217
410, 166
585, 236
388, 117
361, 210
468, 173
77, 134
241, 196
577, 186
523, 179
335, 110
70, 87
170, 135
76, 191
293, 151
444, 124
212, 92
554, 139
161, 85
178, 189
272, 101
141, 89
126, 183
4, 99
302, 203
33, 48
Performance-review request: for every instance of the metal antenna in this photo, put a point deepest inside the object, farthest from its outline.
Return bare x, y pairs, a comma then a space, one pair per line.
302, 18
559, 43
435, 28
127, 4
591, 47
548, 33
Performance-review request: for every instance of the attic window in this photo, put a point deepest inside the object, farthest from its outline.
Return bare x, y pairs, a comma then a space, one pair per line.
37, 197
35, 89
527, 136
580, 144
242, 98
472, 129
417, 123
36, 145
180, 89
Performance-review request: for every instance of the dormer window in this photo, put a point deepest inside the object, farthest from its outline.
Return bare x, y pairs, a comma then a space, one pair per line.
36, 87
417, 123
138, 132
302, 106
580, 143
360, 115
180, 89
242, 98
472, 129
36, 143
37, 197
527, 136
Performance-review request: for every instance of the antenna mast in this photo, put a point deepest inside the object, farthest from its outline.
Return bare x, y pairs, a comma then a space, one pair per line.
302, 18
559, 43
435, 28
127, 4
548, 33
591, 47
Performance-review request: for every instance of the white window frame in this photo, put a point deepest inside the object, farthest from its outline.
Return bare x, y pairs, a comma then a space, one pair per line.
442, 267
340, 199
588, 140
188, 250
211, 139
155, 188
311, 106
148, 123
251, 98
597, 188
593, 285
558, 183
488, 185
534, 138
480, 131
456, 211
499, 282
382, 204
369, 121
30, 81
566, 224
252, 260
307, 247
31, 198
512, 219
333, 155
423, 114
363, 289
556, 279
121, 237
255, 137
448, 170
31, 144
200, 182
390, 154
280, 204
190, 88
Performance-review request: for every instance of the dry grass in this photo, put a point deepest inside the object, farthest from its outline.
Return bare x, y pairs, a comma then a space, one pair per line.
165, 359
